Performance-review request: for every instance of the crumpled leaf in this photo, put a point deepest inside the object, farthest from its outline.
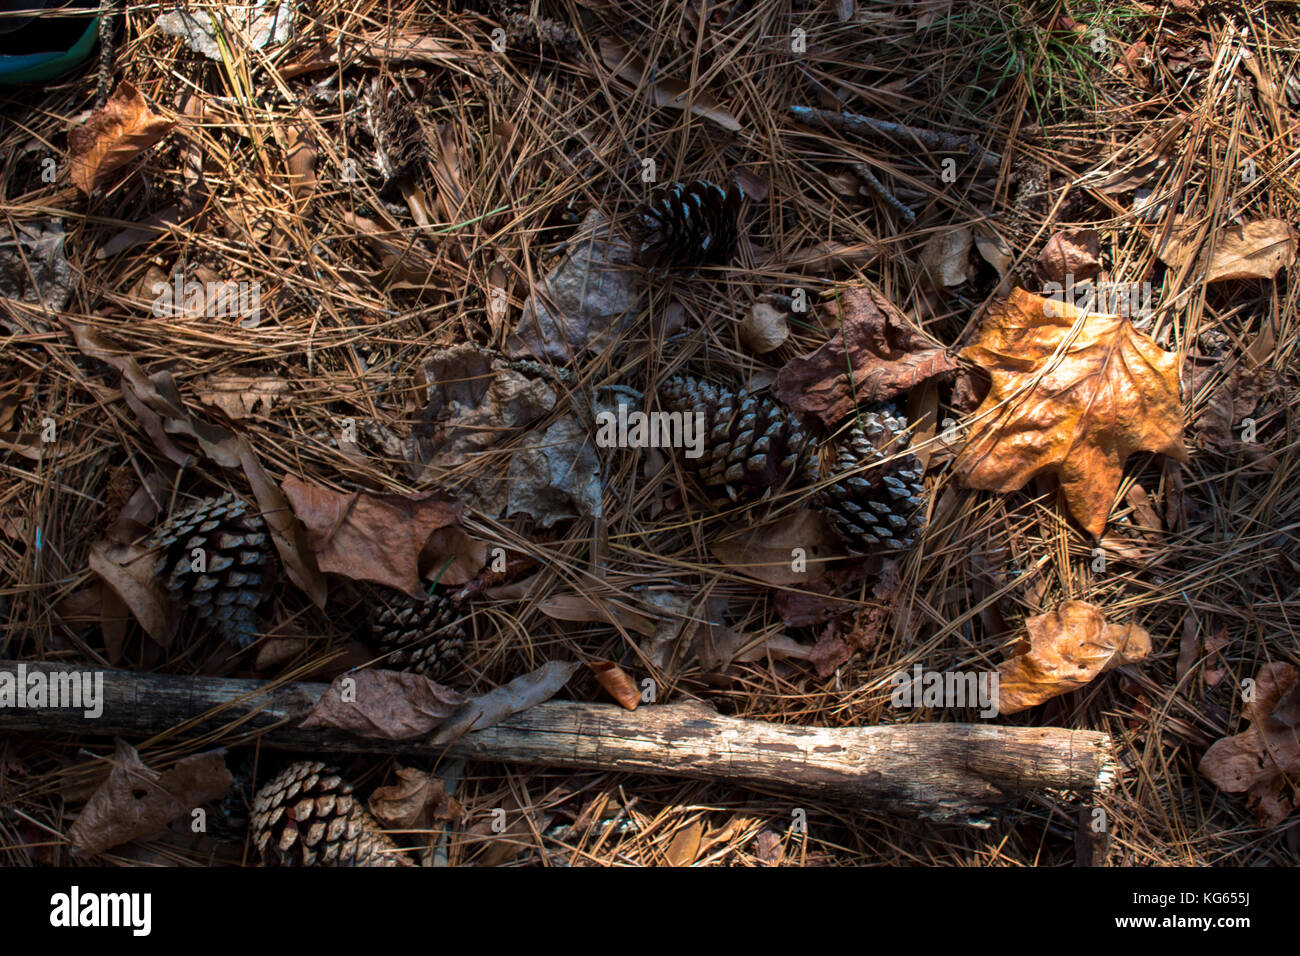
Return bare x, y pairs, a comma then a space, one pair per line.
248, 26
157, 403
766, 551
585, 302
1254, 250
475, 402
112, 137
498, 704
128, 570
1138, 161
391, 705
555, 474
616, 682
1066, 401
946, 257
402, 258
887, 354
370, 537
764, 328
33, 265
1264, 761
136, 801
664, 91
300, 158
1217, 425
240, 396
418, 801
1071, 252
1066, 649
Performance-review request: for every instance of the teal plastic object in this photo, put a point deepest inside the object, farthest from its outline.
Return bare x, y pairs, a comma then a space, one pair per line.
37, 67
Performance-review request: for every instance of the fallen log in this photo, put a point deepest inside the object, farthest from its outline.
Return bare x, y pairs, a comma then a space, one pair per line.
950, 772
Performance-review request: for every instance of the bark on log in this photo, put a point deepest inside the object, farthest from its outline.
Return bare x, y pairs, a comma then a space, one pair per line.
950, 772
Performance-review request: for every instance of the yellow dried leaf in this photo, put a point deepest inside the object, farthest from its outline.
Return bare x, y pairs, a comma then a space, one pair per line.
1067, 649
1073, 395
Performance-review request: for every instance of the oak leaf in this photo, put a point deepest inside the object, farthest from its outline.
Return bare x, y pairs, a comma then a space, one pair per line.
1074, 394
1065, 650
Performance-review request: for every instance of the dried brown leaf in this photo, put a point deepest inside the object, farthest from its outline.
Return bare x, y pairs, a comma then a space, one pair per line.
370, 537
1255, 250
792, 550
616, 683
1072, 396
764, 328
385, 704
626, 64
1066, 649
496, 705
129, 571
112, 137
887, 355
1264, 761
136, 801
418, 801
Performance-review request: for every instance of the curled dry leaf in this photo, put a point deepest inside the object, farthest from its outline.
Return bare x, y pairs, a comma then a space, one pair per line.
136, 801
1073, 396
1066, 649
664, 91
418, 801
617, 683
112, 137
496, 705
1255, 250
371, 537
887, 355
1264, 761
385, 704
765, 328
1070, 255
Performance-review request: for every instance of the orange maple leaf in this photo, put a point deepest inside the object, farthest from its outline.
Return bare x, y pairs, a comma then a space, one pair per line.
1073, 394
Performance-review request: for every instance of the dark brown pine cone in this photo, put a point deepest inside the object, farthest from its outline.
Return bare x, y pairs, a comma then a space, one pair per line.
689, 224
307, 816
426, 636
875, 503
752, 446
214, 558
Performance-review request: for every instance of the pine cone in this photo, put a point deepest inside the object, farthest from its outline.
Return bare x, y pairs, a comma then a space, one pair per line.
425, 636
307, 816
751, 444
235, 565
876, 505
689, 224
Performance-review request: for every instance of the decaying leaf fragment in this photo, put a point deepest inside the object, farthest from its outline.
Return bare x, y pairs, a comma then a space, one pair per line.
112, 137
1073, 395
135, 800
886, 355
1065, 650
1264, 761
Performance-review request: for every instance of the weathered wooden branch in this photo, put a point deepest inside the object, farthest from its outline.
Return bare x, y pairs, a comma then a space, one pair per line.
952, 772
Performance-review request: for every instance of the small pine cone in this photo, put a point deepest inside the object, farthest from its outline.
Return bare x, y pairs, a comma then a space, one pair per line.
236, 564
307, 816
751, 444
426, 636
527, 32
875, 505
689, 224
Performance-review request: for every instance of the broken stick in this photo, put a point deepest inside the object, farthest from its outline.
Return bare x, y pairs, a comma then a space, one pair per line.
949, 772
